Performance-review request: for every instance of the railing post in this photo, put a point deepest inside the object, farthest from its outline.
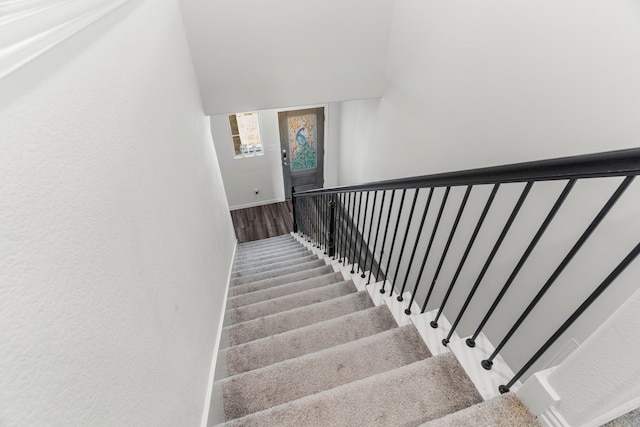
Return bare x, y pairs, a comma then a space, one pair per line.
293, 208
331, 250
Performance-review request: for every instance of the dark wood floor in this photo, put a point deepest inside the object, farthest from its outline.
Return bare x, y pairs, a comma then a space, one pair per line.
262, 222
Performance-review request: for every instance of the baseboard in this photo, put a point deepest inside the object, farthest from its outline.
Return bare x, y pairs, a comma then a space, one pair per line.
254, 204
216, 347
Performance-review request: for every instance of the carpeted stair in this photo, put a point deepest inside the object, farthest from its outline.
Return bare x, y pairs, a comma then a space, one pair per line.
306, 348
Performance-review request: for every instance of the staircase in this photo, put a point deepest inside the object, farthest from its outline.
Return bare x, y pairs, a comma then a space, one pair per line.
307, 346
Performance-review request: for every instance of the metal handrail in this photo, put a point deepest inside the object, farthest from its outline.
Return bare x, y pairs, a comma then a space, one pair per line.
610, 163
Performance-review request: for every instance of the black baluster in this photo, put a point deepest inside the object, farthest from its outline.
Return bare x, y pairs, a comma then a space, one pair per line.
472, 240
343, 206
393, 242
352, 202
293, 210
471, 342
494, 251
353, 226
364, 227
309, 213
366, 252
332, 229
446, 250
356, 232
487, 363
346, 227
325, 221
384, 240
415, 246
404, 240
375, 242
318, 204
574, 316
426, 254
339, 214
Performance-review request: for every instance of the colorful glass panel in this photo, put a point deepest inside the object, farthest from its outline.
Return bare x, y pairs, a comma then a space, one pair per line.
303, 137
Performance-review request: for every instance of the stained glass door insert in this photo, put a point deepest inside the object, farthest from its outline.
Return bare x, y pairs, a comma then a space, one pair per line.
303, 142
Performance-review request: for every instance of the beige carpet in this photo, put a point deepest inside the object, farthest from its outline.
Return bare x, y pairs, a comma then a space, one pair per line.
281, 280
308, 349
309, 339
286, 289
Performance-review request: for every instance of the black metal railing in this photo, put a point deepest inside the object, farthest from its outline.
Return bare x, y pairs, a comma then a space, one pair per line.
369, 227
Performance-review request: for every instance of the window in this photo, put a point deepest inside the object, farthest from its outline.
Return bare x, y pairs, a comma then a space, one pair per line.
245, 132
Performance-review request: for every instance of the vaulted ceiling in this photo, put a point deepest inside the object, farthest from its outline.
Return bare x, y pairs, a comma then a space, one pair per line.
258, 54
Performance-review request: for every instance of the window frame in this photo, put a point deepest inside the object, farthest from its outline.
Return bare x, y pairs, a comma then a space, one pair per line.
247, 150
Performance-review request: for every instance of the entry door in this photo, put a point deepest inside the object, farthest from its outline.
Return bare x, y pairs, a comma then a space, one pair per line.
302, 149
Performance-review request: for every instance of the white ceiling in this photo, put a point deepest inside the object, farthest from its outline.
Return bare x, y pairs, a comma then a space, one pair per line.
259, 54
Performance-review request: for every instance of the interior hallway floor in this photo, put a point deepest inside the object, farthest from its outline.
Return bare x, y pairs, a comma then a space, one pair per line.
262, 222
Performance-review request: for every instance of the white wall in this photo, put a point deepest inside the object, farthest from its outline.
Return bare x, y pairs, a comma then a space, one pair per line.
477, 84
115, 236
258, 55
243, 175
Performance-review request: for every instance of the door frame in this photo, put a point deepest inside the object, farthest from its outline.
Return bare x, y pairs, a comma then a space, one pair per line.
321, 156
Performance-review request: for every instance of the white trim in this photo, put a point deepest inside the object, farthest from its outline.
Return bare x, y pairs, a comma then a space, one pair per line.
487, 382
216, 347
537, 393
28, 28
254, 204
552, 418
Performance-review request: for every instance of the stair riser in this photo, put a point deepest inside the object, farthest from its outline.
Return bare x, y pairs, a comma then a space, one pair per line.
274, 266
270, 240
277, 272
436, 386
297, 318
278, 305
300, 377
267, 249
320, 336
241, 261
282, 280
283, 290
291, 257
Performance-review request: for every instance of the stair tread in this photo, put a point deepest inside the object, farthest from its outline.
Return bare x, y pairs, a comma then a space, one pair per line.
267, 240
286, 289
297, 318
409, 395
278, 272
506, 410
295, 378
243, 272
270, 261
268, 248
244, 259
280, 280
289, 302
308, 339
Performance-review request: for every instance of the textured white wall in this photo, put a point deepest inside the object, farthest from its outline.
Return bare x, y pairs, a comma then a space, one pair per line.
115, 236
253, 55
610, 359
472, 84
